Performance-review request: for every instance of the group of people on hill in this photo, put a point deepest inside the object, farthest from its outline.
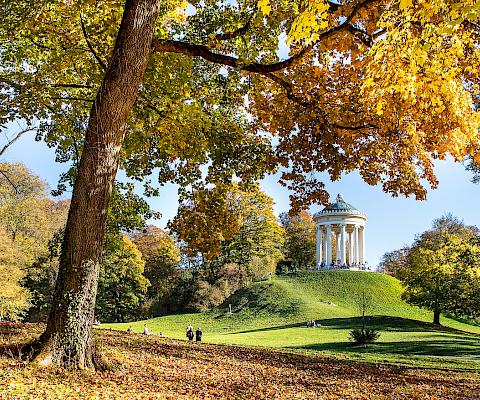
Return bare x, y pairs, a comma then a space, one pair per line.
190, 334
198, 334
311, 324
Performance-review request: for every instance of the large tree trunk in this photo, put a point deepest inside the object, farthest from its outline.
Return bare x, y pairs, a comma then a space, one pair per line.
436, 317
68, 339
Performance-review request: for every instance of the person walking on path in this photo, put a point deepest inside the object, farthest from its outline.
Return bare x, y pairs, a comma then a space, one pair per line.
190, 332
198, 335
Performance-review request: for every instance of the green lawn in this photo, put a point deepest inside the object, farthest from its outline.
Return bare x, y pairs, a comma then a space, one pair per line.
274, 314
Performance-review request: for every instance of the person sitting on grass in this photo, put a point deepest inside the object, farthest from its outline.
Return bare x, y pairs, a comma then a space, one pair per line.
146, 331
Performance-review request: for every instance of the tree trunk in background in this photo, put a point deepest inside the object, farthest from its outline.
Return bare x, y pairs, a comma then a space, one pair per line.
68, 339
436, 317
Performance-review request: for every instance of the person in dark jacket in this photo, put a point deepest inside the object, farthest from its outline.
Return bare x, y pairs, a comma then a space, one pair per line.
198, 335
190, 332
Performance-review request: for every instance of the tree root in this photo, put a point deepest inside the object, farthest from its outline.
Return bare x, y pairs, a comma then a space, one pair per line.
41, 354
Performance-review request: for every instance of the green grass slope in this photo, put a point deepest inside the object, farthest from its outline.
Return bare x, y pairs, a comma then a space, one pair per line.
274, 314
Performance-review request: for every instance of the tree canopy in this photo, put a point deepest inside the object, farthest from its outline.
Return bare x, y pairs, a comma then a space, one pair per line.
162, 258
384, 87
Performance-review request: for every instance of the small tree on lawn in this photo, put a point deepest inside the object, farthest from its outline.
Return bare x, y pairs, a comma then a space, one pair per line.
364, 335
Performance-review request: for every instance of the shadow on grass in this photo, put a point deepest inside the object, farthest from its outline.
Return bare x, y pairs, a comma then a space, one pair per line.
382, 323
466, 347
389, 324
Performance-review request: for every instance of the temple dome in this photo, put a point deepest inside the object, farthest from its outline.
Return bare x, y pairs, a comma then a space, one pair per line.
340, 206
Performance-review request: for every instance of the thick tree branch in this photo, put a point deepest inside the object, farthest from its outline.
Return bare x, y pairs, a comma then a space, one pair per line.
196, 50
361, 34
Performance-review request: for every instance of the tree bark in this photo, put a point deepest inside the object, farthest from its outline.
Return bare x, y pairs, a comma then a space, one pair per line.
67, 340
436, 317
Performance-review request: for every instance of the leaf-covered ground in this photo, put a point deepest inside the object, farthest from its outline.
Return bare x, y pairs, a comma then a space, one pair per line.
157, 368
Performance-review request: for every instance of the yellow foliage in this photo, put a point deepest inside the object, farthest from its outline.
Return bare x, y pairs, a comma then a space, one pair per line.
14, 299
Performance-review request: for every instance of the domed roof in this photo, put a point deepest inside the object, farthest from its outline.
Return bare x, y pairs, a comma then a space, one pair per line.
339, 205
339, 209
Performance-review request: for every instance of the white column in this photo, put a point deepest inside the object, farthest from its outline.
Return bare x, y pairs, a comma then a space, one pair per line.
343, 245
337, 246
319, 246
355, 244
351, 251
325, 251
328, 255
362, 245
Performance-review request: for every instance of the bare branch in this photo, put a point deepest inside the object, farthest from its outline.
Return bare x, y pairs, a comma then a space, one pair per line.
4, 174
90, 47
71, 98
288, 89
238, 32
72, 85
15, 138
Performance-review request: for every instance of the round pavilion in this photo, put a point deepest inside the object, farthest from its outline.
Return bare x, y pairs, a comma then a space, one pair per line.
340, 231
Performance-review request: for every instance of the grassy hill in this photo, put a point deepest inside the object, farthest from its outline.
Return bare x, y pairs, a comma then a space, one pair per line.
274, 314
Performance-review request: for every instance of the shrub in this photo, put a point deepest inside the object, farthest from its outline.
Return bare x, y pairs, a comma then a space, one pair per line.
364, 336
261, 268
206, 295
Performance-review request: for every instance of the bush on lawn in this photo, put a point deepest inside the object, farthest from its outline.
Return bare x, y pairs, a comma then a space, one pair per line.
364, 336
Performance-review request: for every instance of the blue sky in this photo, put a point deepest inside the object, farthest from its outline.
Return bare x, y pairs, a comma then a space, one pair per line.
392, 222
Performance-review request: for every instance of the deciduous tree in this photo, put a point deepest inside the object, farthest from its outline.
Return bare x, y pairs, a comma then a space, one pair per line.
300, 239
393, 262
162, 258
442, 273
121, 286
231, 224
28, 220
